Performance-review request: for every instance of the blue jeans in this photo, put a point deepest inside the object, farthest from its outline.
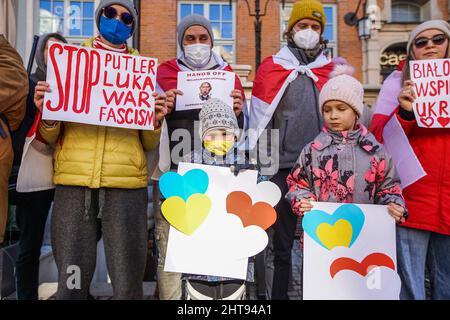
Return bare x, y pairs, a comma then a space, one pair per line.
416, 250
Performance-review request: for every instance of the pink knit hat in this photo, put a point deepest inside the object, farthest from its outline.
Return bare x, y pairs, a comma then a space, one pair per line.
343, 87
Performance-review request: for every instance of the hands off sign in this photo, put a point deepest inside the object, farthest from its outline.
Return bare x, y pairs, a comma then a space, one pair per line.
100, 87
200, 86
349, 253
432, 87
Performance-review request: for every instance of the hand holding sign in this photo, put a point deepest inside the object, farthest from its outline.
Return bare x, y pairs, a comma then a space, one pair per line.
39, 92
200, 86
432, 88
407, 96
161, 109
237, 101
172, 98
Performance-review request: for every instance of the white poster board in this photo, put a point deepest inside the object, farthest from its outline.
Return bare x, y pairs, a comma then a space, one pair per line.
200, 86
432, 87
100, 87
220, 245
349, 253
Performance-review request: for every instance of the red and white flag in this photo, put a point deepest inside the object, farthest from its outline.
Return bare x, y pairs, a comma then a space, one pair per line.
273, 77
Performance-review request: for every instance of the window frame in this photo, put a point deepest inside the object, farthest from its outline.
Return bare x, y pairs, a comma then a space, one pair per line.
416, 5
206, 10
331, 44
76, 39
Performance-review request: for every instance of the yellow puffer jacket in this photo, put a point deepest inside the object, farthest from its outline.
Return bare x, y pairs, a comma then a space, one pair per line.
99, 157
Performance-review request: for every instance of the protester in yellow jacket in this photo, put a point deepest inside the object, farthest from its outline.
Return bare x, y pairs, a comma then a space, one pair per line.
13, 95
101, 178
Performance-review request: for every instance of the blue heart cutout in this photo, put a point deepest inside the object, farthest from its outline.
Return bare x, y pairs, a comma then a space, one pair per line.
192, 182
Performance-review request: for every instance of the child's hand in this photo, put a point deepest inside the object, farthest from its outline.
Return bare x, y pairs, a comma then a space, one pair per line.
305, 206
236, 169
397, 212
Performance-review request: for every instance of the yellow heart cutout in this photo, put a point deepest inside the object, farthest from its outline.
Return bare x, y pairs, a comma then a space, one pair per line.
338, 235
187, 216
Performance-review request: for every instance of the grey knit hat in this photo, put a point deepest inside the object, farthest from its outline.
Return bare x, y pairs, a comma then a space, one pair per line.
124, 3
432, 24
216, 115
193, 20
39, 57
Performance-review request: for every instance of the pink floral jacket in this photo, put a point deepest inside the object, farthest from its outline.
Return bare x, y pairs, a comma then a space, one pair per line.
344, 167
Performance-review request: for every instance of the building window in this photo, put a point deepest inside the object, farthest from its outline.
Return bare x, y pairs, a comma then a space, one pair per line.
330, 32
405, 12
73, 19
222, 18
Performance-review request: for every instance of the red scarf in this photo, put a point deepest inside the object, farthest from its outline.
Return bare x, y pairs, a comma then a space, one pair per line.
98, 44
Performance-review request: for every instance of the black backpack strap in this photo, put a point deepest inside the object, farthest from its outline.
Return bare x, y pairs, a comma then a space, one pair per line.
4, 134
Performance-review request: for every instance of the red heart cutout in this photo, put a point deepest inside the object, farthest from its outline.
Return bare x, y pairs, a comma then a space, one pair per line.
443, 121
373, 260
427, 122
259, 214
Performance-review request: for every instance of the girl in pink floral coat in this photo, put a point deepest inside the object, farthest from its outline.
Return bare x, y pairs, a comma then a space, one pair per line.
344, 163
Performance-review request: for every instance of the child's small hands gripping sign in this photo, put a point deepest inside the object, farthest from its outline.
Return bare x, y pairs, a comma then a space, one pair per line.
397, 212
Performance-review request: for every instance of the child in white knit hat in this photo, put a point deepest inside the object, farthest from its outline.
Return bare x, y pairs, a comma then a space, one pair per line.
344, 163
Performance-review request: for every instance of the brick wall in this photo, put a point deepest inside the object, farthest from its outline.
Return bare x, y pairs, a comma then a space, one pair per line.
245, 35
159, 20
444, 6
349, 45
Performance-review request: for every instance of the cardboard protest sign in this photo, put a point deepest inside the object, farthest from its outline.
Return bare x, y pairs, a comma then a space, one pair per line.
432, 87
212, 231
99, 87
200, 86
349, 253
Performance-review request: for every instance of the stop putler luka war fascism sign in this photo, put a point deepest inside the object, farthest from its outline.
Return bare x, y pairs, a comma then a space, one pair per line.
100, 87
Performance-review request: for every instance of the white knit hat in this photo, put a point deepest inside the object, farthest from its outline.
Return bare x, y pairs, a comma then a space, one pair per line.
343, 87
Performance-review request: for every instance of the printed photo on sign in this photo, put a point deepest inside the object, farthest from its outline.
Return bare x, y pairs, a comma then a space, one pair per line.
200, 86
100, 87
349, 253
432, 88
217, 220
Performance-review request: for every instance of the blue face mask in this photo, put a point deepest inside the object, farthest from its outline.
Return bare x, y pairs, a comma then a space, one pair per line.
113, 30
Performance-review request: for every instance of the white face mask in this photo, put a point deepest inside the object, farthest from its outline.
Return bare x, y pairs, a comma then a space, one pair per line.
198, 55
306, 39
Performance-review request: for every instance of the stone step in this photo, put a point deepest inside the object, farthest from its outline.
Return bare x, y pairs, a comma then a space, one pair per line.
100, 291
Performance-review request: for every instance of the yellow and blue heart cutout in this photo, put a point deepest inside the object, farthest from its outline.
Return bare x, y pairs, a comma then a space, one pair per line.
340, 229
186, 206
186, 216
